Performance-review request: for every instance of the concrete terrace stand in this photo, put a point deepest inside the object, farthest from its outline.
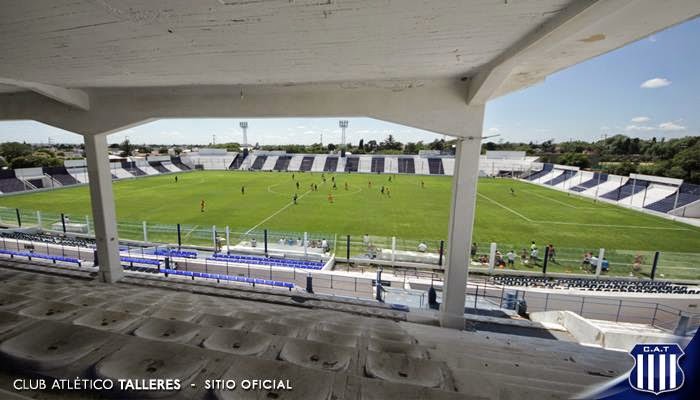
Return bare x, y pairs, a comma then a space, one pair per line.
326, 347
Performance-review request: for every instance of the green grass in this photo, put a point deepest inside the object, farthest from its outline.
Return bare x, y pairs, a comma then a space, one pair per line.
412, 213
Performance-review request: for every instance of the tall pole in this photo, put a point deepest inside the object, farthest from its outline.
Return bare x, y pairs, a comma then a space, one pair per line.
244, 126
343, 123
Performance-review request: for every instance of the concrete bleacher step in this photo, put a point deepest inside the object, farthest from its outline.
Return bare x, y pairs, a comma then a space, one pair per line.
112, 321
167, 330
240, 342
47, 346
317, 355
152, 360
399, 368
193, 332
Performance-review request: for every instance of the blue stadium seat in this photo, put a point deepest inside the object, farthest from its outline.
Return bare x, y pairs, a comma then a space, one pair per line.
30, 255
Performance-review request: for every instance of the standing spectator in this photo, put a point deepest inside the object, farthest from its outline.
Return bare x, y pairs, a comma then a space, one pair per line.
552, 253
474, 249
533, 256
511, 258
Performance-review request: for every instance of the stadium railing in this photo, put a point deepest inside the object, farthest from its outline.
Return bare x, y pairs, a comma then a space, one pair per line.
375, 249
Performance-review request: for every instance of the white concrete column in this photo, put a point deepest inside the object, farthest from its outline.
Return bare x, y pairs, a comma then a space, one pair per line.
103, 211
492, 257
228, 240
460, 226
599, 267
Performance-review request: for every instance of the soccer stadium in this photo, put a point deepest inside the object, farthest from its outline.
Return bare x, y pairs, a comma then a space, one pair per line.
464, 272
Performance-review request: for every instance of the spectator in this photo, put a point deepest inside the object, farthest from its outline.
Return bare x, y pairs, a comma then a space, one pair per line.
552, 253
324, 245
511, 258
533, 255
523, 256
253, 242
586, 262
498, 259
474, 249
422, 247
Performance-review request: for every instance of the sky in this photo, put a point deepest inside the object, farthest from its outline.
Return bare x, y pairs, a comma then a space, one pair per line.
649, 88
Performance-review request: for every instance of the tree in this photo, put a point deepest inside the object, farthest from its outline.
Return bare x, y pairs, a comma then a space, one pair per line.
372, 146
390, 144
437, 144
331, 147
126, 148
12, 150
163, 150
575, 159
361, 145
35, 160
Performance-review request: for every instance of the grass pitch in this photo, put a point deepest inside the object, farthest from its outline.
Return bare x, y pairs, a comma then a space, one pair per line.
412, 211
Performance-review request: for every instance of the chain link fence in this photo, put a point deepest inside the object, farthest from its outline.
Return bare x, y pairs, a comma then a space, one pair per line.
372, 249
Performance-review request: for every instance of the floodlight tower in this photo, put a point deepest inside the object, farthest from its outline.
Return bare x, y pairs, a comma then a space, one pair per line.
244, 126
343, 124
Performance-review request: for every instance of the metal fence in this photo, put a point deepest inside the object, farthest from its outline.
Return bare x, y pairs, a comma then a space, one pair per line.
373, 249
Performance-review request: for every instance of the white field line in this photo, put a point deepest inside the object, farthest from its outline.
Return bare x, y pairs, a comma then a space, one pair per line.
190, 231
578, 223
614, 226
506, 208
555, 200
277, 212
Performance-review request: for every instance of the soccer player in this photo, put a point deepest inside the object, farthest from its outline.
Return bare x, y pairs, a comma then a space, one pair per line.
335, 187
330, 198
346, 186
369, 184
202, 205
422, 185
295, 198
388, 193
512, 191
389, 178
292, 176
382, 190
175, 178
242, 189
297, 185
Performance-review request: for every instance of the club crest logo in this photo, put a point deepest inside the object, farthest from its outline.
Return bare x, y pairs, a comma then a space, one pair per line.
656, 369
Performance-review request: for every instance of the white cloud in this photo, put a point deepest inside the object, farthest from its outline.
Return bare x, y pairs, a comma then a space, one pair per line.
639, 128
663, 127
640, 120
671, 127
655, 83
